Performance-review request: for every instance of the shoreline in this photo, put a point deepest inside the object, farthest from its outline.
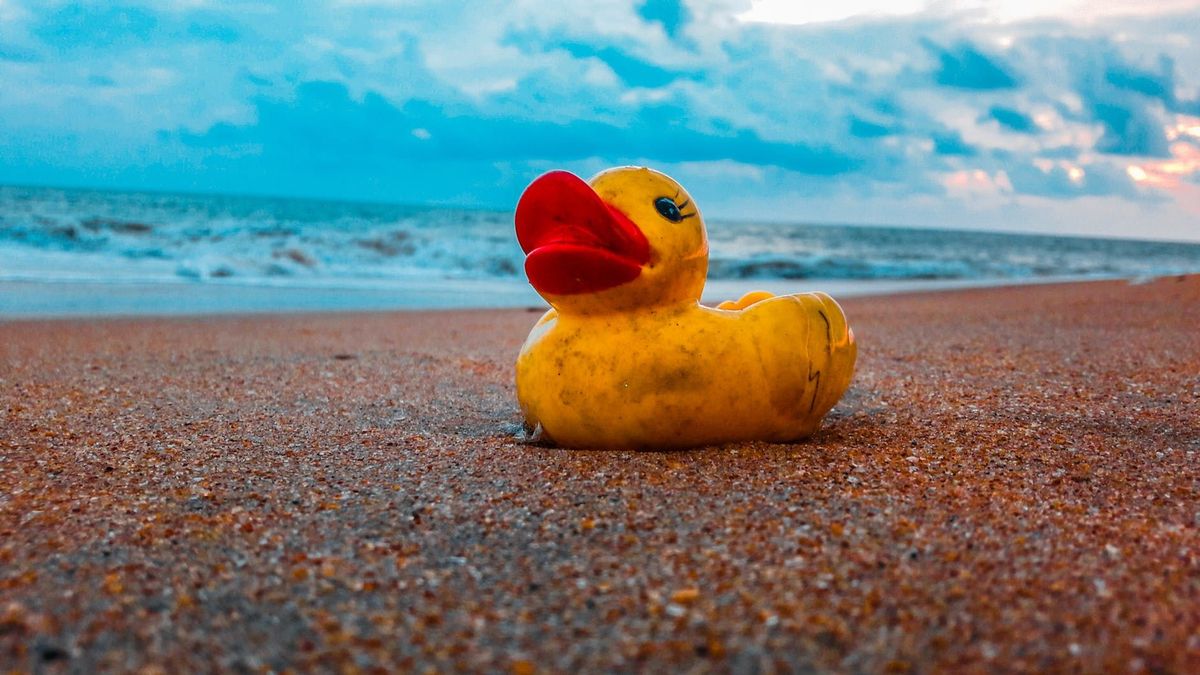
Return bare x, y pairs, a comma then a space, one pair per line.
31, 300
1009, 484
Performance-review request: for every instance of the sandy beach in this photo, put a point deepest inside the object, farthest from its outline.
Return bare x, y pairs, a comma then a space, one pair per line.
1010, 485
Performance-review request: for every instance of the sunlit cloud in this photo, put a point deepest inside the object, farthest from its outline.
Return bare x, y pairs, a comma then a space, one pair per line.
975, 182
1172, 173
1185, 127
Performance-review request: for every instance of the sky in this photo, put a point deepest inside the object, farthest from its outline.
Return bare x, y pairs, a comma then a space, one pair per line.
1054, 116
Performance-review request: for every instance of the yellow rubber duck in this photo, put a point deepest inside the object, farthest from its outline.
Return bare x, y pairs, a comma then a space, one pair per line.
627, 357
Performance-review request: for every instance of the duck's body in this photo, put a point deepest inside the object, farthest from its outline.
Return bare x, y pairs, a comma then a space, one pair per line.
639, 362
687, 375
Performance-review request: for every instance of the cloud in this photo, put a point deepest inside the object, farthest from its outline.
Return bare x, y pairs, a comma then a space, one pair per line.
323, 126
1128, 103
1060, 182
96, 26
632, 70
963, 66
18, 55
1130, 128
861, 128
1161, 85
952, 144
1060, 152
671, 14
1012, 119
217, 31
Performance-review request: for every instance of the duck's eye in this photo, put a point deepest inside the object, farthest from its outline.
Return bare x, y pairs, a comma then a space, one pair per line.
667, 208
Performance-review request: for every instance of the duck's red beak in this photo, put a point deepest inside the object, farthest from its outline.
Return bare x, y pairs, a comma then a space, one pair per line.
574, 241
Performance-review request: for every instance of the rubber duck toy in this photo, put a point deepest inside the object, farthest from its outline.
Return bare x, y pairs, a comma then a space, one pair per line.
627, 357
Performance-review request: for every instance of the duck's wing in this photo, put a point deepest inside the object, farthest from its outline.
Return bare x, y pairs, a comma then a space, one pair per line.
745, 301
832, 350
808, 351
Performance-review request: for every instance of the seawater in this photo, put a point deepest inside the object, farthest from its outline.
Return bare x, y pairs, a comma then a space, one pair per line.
102, 237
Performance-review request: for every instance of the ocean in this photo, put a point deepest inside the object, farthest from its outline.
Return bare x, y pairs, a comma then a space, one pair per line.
66, 251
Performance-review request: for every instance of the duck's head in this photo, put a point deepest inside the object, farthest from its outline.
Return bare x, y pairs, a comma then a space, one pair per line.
630, 237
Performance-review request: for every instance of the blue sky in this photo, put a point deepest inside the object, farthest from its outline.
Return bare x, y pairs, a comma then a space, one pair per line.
1055, 116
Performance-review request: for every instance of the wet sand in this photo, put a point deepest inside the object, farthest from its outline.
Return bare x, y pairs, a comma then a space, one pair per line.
1012, 483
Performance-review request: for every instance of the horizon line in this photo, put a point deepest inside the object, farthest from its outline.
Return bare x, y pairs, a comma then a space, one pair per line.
717, 218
